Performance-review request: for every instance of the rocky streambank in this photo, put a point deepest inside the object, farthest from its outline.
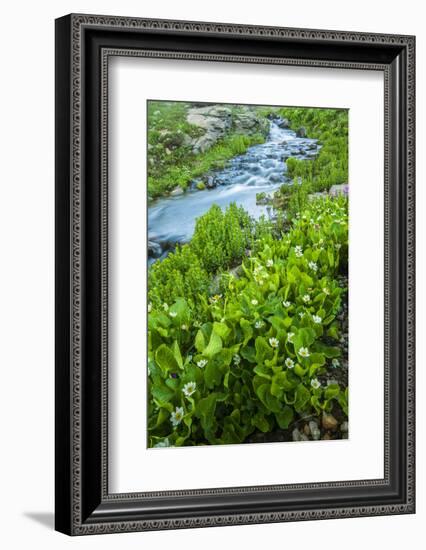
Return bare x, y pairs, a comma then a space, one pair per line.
260, 170
217, 121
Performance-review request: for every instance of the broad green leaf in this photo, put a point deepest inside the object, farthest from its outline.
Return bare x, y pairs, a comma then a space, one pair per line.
165, 359
260, 422
249, 354
177, 354
213, 374
331, 391
303, 396
270, 402
263, 371
162, 393
263, 350
284, 417
180, 307
247, 330
200, 343
214, 346
222, 330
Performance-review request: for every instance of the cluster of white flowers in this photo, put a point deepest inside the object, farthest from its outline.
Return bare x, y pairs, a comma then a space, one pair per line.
313, 266
273, 342
189, 388
316, 319
306, 298
202, 363
177, 416
304, 352
298, 251
289, 363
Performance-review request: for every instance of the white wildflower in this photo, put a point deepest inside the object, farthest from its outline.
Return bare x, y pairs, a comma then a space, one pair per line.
301, 314
177, 416
273, 342
286, 303
315, 383
335, 363
306, 298
202, 363
270, 263
259, 324
173, 314
184, 327
316, 319
304, 352
189, 388
236, 359
165, 307
326, 291
290, 337
289, 363
313, 266
298, 251
254, 302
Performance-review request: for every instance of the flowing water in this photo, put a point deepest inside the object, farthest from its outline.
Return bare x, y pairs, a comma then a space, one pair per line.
261, 169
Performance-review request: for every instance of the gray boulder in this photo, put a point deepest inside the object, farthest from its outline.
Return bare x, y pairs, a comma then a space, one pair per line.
177, 191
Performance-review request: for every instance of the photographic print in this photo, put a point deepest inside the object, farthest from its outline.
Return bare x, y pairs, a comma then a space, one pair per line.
248, 274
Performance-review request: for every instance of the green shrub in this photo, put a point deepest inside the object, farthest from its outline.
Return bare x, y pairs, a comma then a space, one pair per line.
220, 238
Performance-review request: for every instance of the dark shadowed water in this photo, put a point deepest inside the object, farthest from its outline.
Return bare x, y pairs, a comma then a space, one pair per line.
261, 169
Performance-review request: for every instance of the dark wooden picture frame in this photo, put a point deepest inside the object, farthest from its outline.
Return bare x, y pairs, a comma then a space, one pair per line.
84, 44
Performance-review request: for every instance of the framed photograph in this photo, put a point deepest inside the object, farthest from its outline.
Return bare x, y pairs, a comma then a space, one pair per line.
234, 274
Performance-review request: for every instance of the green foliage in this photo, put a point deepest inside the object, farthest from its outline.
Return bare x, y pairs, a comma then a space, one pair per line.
219, 241
251, 358
330, 127
220, 238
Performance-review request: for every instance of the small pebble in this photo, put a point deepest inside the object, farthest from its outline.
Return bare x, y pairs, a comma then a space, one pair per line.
315, 431
329, 422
